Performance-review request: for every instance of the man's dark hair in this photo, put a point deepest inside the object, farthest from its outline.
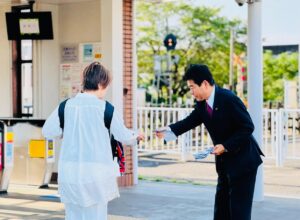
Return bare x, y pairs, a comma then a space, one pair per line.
95, 74
198, 73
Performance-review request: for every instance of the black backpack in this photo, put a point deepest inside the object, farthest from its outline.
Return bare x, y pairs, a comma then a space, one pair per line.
116, 146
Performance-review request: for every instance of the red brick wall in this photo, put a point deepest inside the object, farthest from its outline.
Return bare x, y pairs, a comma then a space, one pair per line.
127, 179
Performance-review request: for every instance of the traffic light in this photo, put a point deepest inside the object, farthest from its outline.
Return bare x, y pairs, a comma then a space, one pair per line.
170, 42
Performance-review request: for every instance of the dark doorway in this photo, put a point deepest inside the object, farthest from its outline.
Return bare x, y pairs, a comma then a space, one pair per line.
22, 74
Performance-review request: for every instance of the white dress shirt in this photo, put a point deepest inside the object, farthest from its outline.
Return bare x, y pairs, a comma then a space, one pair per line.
211, 99
87, 174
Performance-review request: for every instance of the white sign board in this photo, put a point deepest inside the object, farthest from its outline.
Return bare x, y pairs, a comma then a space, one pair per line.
69, 53
71, 79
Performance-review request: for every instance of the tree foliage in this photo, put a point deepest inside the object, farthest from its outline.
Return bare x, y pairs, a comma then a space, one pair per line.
276, 70
203, 36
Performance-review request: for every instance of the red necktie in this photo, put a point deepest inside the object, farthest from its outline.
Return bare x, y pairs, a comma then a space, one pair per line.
209, 110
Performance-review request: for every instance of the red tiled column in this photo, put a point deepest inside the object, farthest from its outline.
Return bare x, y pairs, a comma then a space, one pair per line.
127, 179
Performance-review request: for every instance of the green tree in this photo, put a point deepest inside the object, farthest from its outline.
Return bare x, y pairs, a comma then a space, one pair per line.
202, 35
152, 26
277, 69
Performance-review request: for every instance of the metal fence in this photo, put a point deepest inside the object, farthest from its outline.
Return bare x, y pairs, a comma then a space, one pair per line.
281, 133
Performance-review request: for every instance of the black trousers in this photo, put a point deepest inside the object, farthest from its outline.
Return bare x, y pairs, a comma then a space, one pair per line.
233, 200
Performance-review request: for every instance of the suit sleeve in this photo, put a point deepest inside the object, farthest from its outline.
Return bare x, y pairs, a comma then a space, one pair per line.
243, 126
190, 122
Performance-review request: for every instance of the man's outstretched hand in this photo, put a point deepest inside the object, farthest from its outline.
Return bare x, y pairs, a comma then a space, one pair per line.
160, 132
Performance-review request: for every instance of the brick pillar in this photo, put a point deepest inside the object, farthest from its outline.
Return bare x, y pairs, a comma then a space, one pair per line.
127, 179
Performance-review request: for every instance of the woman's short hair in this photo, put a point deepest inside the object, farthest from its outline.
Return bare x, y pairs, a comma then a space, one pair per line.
95, 74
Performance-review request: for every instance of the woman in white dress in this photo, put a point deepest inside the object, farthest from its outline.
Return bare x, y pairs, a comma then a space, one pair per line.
87, 175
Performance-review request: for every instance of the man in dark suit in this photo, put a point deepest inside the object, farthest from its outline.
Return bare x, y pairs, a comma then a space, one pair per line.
236, 151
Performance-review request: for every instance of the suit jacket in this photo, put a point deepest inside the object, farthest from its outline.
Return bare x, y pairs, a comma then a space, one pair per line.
230, 125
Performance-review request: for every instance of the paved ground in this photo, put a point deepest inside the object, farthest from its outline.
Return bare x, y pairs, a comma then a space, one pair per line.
147, 200
278, 181
169, 201
28, 202
188, 194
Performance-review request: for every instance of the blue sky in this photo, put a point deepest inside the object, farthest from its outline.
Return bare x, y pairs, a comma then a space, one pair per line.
280, 18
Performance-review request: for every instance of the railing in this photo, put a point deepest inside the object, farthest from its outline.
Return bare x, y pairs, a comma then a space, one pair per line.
289, 130
281, 133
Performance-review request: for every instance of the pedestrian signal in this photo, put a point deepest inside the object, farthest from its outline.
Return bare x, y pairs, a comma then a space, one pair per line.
170, 42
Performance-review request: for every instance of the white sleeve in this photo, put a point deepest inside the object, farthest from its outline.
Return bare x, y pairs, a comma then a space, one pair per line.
51, 127
120, 132
169, 135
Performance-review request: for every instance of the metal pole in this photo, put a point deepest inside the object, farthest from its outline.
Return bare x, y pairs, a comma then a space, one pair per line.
169, 76
255, 83
231, 59
298, 76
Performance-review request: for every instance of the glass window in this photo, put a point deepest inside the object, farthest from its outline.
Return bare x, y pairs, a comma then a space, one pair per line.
27, 104
26, 49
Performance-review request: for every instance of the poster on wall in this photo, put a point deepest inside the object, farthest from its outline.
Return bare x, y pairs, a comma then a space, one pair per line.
69, 53
70, 79
90, 52
87, 53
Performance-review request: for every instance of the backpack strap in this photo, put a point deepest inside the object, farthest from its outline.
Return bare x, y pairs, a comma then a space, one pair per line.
108, 114
61, 113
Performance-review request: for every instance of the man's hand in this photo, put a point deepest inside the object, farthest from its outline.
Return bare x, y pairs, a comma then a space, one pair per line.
160, 132
218, 149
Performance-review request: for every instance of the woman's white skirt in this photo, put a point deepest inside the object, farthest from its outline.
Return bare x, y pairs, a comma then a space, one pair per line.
77, 212
87, 184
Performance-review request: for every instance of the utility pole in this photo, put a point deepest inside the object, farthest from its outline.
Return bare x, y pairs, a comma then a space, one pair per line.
255, 83
169, 72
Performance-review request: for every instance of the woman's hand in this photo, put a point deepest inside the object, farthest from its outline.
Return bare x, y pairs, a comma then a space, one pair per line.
140, 137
